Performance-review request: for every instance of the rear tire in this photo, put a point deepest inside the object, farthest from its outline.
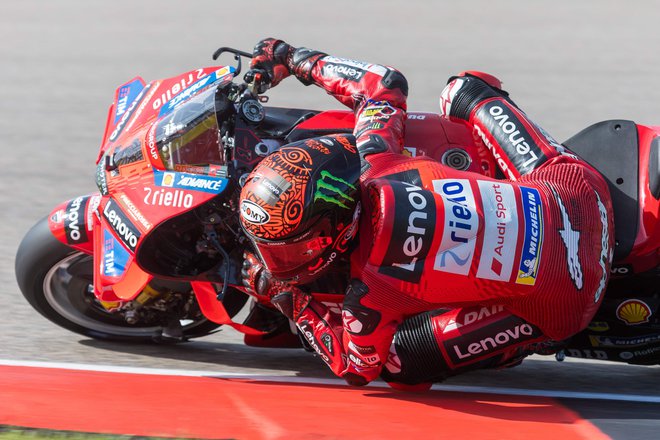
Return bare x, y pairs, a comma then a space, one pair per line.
57, 282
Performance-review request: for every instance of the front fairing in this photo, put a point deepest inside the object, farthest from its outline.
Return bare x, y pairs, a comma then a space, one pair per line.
138, 192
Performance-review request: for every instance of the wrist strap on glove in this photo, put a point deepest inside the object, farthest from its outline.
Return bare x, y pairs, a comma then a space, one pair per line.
301, 61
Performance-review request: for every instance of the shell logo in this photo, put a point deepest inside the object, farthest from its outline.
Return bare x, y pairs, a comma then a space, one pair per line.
633, 312
168, 179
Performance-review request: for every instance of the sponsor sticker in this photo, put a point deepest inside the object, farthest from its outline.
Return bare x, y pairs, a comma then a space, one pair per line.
169, 198
368, 355
134, 212
127, 232
74, 221
533, 238
186, 88
587, 354
627, 355
115, 257
127, 94
271, 188
377, 110
511, 136
617, 341
307, 331
333, 189
126, 115
253, 213
459, 235
621, 270
58, 216
470, 316
410, 151
490, 339
634, 312
101, 181
195, 182
414, 224
501, 230
344, 71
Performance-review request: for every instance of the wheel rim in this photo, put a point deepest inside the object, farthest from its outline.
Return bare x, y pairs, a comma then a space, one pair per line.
67, 291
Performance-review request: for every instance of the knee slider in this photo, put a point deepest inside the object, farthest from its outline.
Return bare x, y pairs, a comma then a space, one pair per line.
355, 380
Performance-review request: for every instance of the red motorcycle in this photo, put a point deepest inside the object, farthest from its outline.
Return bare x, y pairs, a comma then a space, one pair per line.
155, 254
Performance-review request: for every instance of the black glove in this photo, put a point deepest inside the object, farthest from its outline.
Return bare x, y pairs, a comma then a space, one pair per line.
288, 299
269, 65
254, 276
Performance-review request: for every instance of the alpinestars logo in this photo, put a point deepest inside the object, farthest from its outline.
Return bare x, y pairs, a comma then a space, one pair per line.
448, 94
328, 192
351, 322
605, 255
571, 239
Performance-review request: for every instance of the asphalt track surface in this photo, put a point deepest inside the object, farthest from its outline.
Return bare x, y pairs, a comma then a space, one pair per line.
567, 63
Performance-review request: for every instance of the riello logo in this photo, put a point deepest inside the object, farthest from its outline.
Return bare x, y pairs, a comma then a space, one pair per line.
253, 213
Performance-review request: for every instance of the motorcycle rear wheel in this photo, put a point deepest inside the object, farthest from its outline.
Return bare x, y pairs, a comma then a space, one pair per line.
57, 282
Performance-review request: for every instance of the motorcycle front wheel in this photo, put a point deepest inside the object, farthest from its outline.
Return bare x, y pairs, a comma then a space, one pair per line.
57, 282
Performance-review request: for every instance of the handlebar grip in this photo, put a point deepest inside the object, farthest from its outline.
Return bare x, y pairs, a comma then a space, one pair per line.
258, 80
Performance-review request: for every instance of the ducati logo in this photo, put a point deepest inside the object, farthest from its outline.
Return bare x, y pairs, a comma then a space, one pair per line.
253, 213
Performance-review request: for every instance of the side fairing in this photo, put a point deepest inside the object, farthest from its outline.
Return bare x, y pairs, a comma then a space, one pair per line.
71, 222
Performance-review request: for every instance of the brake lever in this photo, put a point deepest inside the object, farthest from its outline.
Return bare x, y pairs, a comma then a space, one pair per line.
237, 56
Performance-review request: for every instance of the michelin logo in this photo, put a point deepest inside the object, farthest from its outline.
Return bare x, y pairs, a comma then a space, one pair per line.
533, 239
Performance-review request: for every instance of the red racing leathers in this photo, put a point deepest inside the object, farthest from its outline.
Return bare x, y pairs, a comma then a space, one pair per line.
507, 262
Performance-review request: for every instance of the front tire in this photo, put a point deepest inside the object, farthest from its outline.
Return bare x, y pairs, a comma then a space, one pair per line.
57, 282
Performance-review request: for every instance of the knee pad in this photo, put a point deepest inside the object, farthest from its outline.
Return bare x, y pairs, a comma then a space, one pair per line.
414, 356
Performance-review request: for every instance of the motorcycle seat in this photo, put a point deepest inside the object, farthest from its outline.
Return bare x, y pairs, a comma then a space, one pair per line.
278, 122
612, 147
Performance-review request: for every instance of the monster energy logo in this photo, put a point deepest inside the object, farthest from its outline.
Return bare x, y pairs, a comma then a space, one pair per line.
337, 194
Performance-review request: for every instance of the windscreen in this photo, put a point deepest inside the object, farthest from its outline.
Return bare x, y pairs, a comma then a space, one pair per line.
188, 137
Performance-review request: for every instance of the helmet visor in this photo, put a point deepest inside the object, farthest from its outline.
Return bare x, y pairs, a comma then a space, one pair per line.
284, 259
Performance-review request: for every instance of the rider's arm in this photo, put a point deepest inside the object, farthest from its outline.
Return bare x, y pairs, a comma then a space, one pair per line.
321, 328
376, 93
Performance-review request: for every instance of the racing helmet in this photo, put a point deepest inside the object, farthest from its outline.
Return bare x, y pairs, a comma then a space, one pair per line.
300, 206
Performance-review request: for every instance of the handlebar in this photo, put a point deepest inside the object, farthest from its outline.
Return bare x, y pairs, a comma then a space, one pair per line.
237, 55
257, 81
236, 52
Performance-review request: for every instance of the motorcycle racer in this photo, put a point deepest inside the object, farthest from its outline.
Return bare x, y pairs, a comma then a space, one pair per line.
503, 265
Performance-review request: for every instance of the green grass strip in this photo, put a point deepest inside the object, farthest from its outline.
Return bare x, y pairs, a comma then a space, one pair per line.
19, 433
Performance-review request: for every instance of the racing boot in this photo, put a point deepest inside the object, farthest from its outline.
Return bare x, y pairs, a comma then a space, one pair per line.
517, 144
466, 90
